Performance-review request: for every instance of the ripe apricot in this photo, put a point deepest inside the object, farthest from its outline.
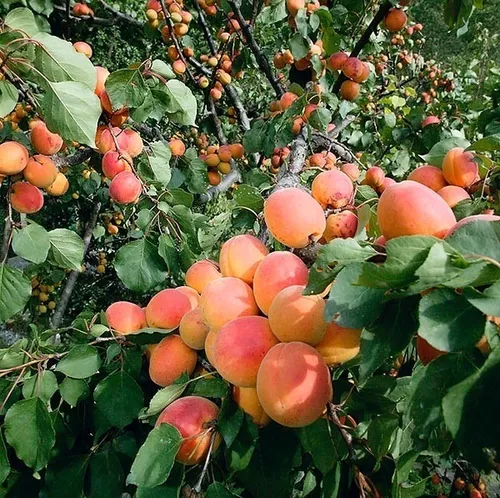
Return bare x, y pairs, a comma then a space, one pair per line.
179, 67
201, 273
192, 416
105, 142
239, 348
354, 69
308, 110
44, 141
385, 184
134, 144
287, 99
426, 353
395, 20
106, 104
339, 344
191, 294
453, 195
177, 147
240, 256
351, 170
349, 90
114, 163
294, 384
293, 6
124, 317
209, 347
246, 398
410, 208
166, 309
237, 151
430, 176
193, 329
170, 359
40, 171
430, 120
83, 48
472, 219
295, 317
274, 273
332, 189
294, 217
125, 188
336, 60
224, 153
13, 158
459, 168
59, 187
374, 177
25, 198
341, 225
225, 299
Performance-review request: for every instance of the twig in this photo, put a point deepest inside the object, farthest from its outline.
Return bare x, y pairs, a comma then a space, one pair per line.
120, 15
332, 415
19, 84
197, 487
218, 125
11, 390
339, 128
7, 233
320, 141
103, 21
148, 131
204, 26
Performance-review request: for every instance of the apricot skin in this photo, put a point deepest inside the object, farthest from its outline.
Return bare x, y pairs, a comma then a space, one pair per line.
354, 69
114, 163
44, 141
294, 384
225, 299
25, 198
125, 188
246, 398
240, 347
125, 317
59, 187
170, 359
339, 344
240, 256
166, 309
294, 217
102, 75
209, 347
395, 20
191, 294
341, 226
351, 170
459, 169
201, 273
40, 171
471, 219
193, 329
430, 176
105, 142
275, 272
349, 90
134, 142
294, 317
192, 416
426, 352
453, 195
13, 158
410, 208
332, 189
336, 60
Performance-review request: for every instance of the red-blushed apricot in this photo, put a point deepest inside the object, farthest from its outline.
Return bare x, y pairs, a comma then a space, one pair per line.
453, 195
276, 272
134, 144
430, 120
114, 162
246, 398
40, 171
353, 68
332, 189
13, 158
105, 142
125, 188
294, 384
459, 168
194, 417
339, 344
166, 309
294, 317
410, 208
349, 90
294, 217
225, 299
308, 110
102, 75
239, 348
83, 48
170, 359
44, 141
472, 219
177, 147
317, 160
351, 170
395, 20
209, 347
385, 184
341, 225
124, 317
336, 60
193, 329
240, 256
237, 151
201, 273
374, 177
426, 353
191, 294
25, 198
430, 176
224, 153
293, 6
380, 241
287, 99
59, 187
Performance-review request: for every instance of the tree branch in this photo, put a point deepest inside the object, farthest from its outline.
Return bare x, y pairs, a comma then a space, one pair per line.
7, 233
102, 21
79, 157
120, 15
204, 26
339, 128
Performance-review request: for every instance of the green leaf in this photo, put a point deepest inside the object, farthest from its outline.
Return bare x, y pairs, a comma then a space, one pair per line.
15, 291
210, 387
119, 398
4, 461
344, 252
320, 118
8, 97
182, 106
273, 13
299, 46
331, 41
28, 429
73, 390
487, 301
126, 88
22, 19
159, 162
490, 143
239, 454
168, 251
155, 457
31, 243
439, 150
218, 490
163, 69
250, 197
42, 385
106, 475
448, 321
66, 249
171, 489
196, 174
230, 421
139, 265
81, 362
380, 433
65, 478
163, 398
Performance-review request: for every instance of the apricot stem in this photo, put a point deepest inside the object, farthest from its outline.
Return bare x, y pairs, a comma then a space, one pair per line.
197, 487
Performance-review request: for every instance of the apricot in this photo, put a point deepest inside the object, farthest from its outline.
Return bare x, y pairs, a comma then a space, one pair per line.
105, 142
374, 177
293, 217
294, 384
459, 168
59, 187
287, 99
25, 198
202, 273
179, 67
410, 208
134, 144
237, 151
332, 189
40, 171
351, 170
125, 188
246, 398
453, 195
114, 162
339, 344
395, 20
193, 329
44, 141
124, 317
295, 317
472, 219
336, 60
108, 106
83, 48
177, 147
194, 417
166, 309
342, 225
426, 353
430, 120
225, 299
224, 153
209, 347
317, 160
102, 75
430, 176
308, 110
240, 256
191, 294
354, 69
293, 6
385, 184
349, 90
13, 158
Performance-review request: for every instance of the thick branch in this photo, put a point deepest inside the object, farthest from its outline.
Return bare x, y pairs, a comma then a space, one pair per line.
339, 128
324, 142
217, 124
78, 157
226, 183
91, 19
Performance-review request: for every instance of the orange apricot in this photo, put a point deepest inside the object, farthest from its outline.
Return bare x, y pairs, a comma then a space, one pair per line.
177, 147
430, 120
332, 189
209, 347
59, 187
40, 171
246, 398
237, 151
430, 176
83, 48
426, 353
124, 317
293, 6
105, 142
166, 309
374, 177
308, 110
125, 188
349, 90
459, 168
395, 20
13, 158
44, 141
351, 170
201, 273
385, 184
339, 344
336, 60
453, 195
102, 75
343, 225
193, 329
294, 384
114, 162
287, 99
224, 153
191, 294
25, 198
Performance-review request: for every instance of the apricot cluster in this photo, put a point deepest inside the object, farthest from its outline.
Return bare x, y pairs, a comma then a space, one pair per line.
354, 70
44, 294
179, 19
218, 160
16, 116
